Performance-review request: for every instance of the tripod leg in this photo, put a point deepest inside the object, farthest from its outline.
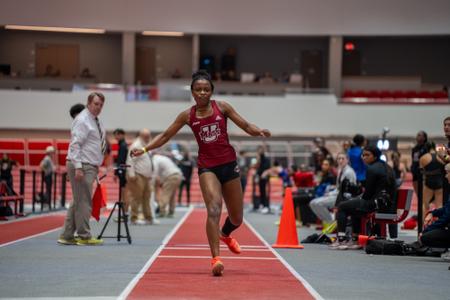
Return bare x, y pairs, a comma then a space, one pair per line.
126, 225
107, 221
119, 223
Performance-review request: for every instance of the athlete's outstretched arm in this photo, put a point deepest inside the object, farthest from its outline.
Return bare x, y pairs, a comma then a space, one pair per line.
250, 128
165, 136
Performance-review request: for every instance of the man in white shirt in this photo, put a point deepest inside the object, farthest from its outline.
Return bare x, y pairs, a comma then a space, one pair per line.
86, 153
139, 175
169, 176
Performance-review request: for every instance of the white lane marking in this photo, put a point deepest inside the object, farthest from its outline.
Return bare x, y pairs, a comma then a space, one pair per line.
305, 283
33, 217
29, 237
222, 246
144, 269
204, 249
222, 257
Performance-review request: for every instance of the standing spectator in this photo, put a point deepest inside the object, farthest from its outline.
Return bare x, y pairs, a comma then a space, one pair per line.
432, 169
119, 135
320, 153
48, 167
444, 154
186, 164
244, 167
355, 158
399, 168
76, 109
262, 164
7, 165
139, 175
169, 177
416, 153
86, 153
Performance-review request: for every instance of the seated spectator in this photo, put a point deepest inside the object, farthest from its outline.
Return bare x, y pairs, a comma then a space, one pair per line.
326, 180
296, 78
280, 171
303, 178
379, 194
47, 166
437, 233
304, 181
431, 165
176, 74
7, 165
50, 72
266, 78
321, 206
86, 73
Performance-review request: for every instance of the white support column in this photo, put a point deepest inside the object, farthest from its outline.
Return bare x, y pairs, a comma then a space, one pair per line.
195, 52
335, 65
128, 57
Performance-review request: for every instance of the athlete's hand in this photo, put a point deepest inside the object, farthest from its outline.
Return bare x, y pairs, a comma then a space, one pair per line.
265, 133
136, 152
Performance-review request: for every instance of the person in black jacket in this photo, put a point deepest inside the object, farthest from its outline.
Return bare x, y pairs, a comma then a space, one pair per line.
262, 165
380, 183
119, 135
416, 154
186, 165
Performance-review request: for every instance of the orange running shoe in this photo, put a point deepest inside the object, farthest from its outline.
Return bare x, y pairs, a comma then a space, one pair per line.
232, 244
217, 266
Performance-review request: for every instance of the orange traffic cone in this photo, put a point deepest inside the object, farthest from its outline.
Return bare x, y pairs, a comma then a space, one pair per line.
287, 232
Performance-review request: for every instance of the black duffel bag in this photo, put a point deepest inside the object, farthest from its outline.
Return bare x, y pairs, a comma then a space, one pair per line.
386, 247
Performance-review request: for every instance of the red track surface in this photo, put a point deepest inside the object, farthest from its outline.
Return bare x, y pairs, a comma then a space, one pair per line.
182, 269
24, 228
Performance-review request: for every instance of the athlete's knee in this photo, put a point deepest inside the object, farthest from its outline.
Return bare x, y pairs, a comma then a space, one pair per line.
214, 211
236, 220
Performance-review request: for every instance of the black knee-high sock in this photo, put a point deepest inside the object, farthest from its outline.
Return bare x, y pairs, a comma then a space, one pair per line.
228, 227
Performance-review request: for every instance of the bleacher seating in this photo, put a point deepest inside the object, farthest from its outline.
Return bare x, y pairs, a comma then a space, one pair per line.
394, 97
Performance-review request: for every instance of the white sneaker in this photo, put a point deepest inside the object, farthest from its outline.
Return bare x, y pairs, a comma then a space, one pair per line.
138, 222
265, 210
446, 256
156, 222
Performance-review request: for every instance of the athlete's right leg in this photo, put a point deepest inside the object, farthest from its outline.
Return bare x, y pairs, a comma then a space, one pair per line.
212, 195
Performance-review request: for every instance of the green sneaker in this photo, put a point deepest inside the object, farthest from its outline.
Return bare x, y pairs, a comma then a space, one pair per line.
63, 241
89, 242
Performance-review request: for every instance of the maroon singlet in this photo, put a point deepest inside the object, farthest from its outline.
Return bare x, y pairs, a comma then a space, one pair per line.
214, 148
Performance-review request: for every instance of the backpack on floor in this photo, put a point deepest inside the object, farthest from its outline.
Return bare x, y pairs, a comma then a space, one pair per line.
385, 247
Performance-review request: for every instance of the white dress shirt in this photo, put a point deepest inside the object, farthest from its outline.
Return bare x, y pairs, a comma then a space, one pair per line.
164, 167
139, 164
86, 142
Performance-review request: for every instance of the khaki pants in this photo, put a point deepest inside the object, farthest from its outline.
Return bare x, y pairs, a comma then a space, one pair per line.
79, 213
140, 191
168, 189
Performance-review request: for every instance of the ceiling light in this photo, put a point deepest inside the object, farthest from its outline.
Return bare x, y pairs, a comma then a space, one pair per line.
55, 29
163, 33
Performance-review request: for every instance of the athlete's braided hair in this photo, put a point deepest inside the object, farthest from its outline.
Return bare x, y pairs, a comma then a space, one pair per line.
201, 75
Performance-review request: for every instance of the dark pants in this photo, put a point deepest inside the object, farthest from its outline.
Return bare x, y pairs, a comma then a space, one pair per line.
187, 184
243, 183
356, 208
263, 193
48, 180
437, 238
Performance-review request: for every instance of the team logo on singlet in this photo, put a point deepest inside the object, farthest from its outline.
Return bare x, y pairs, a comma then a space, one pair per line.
209, 133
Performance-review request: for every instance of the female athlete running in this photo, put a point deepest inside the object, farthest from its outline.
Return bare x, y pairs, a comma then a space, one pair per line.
217, 167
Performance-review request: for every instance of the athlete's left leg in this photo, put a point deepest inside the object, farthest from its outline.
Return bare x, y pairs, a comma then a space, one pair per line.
233, 198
